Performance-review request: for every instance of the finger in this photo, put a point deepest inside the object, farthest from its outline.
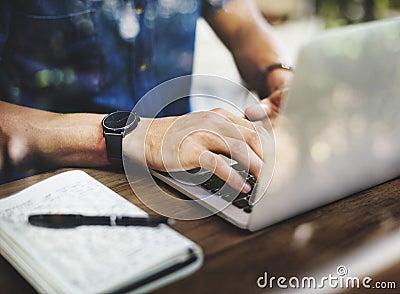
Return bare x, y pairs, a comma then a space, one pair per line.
243, 134
267, 107
242, 129
240, 150
234, 118
237, 142
229, 125
251, 139
257, 112
244, 154
224, 171
278, 96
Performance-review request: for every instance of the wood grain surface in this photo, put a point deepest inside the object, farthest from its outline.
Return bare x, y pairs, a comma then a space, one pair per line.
234, 258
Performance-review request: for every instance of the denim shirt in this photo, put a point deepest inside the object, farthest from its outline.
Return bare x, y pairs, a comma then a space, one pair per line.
95, 55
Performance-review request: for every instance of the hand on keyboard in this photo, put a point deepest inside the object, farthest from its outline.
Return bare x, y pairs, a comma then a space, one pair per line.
199, 139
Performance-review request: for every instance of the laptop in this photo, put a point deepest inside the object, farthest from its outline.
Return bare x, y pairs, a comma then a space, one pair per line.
338, 132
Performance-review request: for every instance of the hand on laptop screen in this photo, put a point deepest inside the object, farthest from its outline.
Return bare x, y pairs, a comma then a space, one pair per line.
279, 80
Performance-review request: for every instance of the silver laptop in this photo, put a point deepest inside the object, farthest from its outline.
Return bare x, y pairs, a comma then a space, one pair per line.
338, 132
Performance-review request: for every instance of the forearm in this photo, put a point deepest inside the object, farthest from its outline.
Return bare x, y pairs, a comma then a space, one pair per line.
257, 49
253, 43
33, 138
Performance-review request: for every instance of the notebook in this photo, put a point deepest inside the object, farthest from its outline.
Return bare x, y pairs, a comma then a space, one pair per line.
89, 259
338, 132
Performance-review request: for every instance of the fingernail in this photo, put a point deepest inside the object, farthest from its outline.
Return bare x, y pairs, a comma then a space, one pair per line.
246, 188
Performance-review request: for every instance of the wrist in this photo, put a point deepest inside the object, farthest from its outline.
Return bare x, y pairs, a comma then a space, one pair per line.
145, 145
277, 76
134, 144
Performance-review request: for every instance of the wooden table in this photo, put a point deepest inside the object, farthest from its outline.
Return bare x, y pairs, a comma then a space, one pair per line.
234, 258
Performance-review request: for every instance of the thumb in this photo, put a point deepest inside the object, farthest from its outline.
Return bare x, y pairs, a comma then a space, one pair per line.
257, 112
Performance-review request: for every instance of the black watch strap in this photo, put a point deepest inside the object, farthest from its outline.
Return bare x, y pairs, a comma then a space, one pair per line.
114, 147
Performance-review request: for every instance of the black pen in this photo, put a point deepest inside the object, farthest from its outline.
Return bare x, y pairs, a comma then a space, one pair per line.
63, 221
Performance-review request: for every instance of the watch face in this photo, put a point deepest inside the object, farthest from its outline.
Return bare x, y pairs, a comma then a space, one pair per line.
118, 121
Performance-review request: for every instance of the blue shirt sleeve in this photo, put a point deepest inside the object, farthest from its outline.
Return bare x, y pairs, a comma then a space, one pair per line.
4, 19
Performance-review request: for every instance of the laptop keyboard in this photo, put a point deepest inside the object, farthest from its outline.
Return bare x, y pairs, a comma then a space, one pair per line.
217, 186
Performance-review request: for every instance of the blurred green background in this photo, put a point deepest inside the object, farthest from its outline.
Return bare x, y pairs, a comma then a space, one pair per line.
333, 13
341, 12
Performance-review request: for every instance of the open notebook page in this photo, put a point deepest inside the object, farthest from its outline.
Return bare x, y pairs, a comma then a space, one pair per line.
86, 259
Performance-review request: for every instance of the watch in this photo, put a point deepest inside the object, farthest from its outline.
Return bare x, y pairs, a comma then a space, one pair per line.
115, 126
